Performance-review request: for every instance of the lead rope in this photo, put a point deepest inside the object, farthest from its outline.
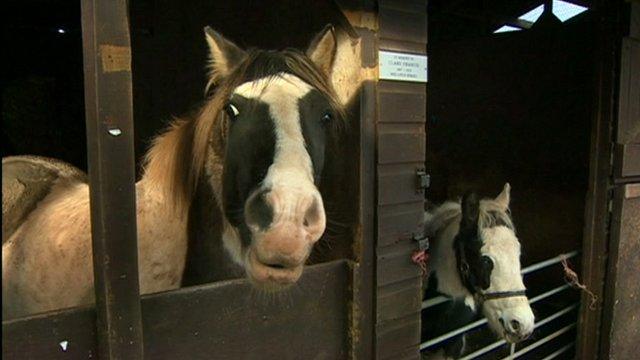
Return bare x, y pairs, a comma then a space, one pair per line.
572, 279
420, 256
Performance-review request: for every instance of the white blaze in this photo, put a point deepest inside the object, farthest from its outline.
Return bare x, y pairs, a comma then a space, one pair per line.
292, 167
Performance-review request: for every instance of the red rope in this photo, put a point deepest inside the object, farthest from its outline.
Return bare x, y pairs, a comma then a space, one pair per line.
572, 279
420, 258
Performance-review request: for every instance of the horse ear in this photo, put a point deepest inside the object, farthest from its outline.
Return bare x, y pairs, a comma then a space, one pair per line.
470, 213
224, 55
322, 50
504, 197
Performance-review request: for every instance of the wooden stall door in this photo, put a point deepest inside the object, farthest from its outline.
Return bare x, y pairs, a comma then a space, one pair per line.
621, 314
400, 202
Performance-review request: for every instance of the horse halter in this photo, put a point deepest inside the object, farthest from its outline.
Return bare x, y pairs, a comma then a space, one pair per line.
464, 270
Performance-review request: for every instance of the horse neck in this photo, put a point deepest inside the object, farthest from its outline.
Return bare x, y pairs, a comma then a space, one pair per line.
443, 225
167, 171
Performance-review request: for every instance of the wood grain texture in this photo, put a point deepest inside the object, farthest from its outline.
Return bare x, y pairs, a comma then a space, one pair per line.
225, 320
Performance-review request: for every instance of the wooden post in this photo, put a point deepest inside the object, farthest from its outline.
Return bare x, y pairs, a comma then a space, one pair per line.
109, 118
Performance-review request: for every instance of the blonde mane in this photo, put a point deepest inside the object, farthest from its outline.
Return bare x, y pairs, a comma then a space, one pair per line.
491, 214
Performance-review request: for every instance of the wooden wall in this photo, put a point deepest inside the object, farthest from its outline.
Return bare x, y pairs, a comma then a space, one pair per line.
620, 329
400, 153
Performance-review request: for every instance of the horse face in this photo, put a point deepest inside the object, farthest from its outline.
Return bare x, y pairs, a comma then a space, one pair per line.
278, 127
275, 156
492, 256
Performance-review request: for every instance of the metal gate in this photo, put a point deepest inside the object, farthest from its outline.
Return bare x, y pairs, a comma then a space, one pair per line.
549, 326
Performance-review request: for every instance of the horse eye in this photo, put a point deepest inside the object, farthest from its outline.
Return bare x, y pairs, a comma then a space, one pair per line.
326, 118
231, 111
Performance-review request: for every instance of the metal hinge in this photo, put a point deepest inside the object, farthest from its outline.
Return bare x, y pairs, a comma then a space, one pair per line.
422, 240
423, 180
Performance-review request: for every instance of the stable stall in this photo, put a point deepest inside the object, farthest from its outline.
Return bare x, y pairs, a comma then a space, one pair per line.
144, 62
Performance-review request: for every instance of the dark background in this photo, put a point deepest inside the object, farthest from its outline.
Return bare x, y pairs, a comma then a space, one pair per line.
42, 84
510, 107
515, 107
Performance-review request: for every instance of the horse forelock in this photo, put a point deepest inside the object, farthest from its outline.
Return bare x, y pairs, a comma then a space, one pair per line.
491, 214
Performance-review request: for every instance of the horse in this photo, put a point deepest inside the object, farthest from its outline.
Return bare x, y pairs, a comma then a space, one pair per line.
475, 261
260, 147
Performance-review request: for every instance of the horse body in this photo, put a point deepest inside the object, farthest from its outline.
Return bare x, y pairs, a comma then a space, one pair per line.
47, 263
258, 150
475, 260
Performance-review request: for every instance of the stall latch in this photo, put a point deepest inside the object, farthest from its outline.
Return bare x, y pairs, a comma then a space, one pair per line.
423, 180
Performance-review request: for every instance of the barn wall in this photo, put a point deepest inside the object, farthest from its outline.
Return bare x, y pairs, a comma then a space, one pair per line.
400, 153
515, 108
620, 329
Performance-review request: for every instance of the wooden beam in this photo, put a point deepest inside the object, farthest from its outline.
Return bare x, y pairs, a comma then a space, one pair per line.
599, 194
109, 118
223, 320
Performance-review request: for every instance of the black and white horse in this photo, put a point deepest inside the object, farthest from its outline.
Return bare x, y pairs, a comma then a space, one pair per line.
264, 148
475, 260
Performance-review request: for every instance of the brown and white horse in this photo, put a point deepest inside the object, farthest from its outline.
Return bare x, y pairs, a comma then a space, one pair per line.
260, 145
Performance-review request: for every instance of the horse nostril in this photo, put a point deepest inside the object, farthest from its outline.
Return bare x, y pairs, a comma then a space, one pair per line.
515, 325
312, 216
258, 209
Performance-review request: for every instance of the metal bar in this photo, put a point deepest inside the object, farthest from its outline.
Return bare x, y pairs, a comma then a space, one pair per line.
453, 333
483, 321
529, 269
542, 341
109, 118
496, 344
484, 350
548, 262
560, 351
499, 343
434, 301
556, 315
549, 293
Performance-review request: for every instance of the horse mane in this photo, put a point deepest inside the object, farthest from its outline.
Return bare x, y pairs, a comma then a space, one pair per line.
176, 158
491, 214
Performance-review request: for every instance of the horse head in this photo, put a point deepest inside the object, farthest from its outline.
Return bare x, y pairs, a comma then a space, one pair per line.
267, 128
488, 258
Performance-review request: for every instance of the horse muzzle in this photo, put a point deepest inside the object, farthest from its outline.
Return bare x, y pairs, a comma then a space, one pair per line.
280, 248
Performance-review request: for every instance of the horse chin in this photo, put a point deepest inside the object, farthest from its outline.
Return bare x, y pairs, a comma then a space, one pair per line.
512, 308
503, 334
511, 338
268, 278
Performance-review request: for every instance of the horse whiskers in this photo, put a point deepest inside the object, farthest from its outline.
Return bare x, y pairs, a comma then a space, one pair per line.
235, 211
337, 223
334, 233
331, 226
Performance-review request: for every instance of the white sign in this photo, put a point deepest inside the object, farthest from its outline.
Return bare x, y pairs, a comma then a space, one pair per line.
403, 67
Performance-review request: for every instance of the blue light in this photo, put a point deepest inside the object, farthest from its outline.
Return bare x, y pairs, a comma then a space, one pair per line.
507, 28
533, 15
565, 11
